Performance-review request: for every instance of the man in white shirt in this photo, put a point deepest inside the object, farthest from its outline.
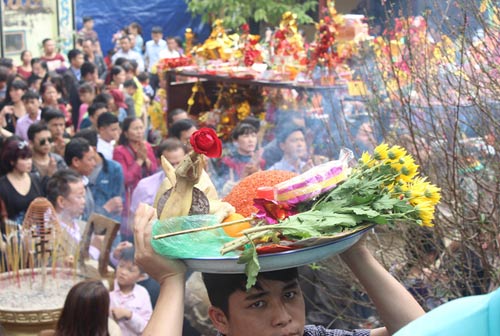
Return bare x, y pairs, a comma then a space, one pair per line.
171, 50
109, 131
154, 47
127, 53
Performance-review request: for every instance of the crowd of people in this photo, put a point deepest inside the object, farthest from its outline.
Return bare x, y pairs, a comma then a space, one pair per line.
78, 130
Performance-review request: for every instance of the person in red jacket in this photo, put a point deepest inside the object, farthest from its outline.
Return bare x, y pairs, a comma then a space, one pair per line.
137, 159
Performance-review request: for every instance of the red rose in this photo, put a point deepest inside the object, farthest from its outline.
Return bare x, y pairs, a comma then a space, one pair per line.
205, 141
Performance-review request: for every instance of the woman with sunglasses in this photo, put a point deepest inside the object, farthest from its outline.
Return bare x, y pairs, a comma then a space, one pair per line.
17, 187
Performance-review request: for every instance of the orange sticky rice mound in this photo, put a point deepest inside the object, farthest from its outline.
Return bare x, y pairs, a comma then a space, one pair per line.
242, 195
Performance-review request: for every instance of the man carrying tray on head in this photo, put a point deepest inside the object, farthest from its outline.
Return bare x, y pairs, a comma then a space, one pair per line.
274, 306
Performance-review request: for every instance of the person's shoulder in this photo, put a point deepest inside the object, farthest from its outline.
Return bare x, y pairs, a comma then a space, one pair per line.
314, 330
23, 119
113, 165
140, 289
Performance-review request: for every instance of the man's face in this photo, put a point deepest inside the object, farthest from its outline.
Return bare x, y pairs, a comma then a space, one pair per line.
295, 145
42, 143
276, 308
110, 133
246, 143
127, 273
89, 25
172, 45
49, 47
86, 164
74, 203
174, 157
125, 44
186, 135
32, 106
56, 127
156, 36
77, 62
87, 47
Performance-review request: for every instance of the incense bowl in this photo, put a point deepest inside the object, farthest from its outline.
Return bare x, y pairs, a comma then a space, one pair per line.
27, 307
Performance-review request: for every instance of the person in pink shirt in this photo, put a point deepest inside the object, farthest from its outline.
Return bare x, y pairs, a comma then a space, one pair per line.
31, 102
138, 161
130, 304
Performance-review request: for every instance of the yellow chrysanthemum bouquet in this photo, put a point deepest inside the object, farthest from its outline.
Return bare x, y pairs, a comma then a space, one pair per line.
383, 188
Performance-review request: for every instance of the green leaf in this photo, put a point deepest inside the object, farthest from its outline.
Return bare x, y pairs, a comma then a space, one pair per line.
385, 203
260, 15
250, 258
364, 211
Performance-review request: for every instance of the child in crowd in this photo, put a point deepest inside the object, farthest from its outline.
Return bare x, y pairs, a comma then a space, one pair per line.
243, 160
130, 87
130, 304
86, 92
143, 78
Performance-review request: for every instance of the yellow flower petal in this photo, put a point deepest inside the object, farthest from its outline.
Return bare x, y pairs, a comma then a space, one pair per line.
396, 152
425, 211
380, 152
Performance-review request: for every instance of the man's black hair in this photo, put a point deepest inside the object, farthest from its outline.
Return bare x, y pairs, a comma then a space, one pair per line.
4, 73
58, 184
142, 77
103, 98
241, 129
180, 126
50, 113
36, 128
157, 29
169, 145
76, 148
87, 68
86, 19
29, 95
221, 286
172, 113
32, 79
73, 53
285, 129
106, 119
94, 107
133, 64
120, 61
88, 134
128, 254
130, 83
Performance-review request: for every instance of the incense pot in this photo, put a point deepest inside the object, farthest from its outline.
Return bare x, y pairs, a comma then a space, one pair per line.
36, 275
